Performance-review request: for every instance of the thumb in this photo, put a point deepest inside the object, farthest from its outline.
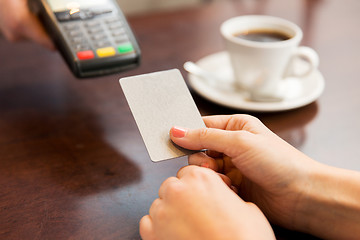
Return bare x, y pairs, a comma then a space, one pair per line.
227, 142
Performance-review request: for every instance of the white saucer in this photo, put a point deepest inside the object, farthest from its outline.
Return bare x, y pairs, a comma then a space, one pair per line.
299, 92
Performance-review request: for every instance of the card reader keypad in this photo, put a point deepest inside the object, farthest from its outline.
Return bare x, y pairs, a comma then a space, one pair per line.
97, 38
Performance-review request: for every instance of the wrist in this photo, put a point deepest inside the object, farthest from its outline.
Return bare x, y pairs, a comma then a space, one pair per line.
329, 206
308, 190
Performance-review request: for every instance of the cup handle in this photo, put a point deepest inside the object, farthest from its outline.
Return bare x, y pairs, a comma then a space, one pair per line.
305, 54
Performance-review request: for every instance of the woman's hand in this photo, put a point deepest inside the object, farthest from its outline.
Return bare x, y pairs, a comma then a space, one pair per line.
197, 204
291, 189
266, 170
18, 23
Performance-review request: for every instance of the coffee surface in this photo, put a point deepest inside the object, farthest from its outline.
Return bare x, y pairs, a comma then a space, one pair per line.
263, 35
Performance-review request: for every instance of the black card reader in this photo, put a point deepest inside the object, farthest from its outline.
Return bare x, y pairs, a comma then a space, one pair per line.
93, 36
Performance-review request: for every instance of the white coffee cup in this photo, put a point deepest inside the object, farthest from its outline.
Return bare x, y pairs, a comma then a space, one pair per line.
259, 65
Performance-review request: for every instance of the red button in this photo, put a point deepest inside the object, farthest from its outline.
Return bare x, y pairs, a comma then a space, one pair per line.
84, 55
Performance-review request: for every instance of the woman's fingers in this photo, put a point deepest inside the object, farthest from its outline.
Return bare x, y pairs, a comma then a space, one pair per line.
203, 160
230, 143
146, 228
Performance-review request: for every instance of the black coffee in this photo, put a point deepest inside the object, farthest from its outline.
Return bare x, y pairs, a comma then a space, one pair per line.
263, 35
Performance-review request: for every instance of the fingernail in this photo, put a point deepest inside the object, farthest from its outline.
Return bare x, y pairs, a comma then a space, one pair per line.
205, 165
178, 132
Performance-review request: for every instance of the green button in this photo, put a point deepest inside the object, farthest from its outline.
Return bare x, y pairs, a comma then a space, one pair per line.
126, 48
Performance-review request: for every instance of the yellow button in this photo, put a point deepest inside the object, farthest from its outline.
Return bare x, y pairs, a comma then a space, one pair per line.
106, 52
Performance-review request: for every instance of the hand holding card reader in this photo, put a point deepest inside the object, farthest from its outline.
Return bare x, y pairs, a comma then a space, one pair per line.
93, 36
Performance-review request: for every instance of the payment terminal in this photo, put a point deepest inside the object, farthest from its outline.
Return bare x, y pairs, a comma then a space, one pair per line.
93, 36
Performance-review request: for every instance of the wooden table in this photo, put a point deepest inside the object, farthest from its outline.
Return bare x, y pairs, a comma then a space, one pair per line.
72, 162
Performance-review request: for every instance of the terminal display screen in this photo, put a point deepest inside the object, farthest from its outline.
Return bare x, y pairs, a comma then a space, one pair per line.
63, 5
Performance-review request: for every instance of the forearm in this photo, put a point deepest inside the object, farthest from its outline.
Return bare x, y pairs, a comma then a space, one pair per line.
330, 206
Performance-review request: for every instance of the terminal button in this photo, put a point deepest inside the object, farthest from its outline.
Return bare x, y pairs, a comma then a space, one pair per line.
106, 52
125, 48
84, 55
